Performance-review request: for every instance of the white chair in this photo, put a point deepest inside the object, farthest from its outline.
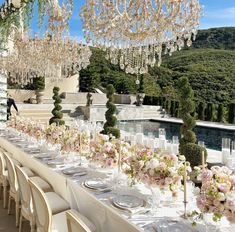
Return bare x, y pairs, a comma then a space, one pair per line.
45, 220
13, 192
76, 222
43, 213
25, 196
3, 179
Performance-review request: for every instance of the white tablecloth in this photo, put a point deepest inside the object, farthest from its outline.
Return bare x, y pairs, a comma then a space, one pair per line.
96, 207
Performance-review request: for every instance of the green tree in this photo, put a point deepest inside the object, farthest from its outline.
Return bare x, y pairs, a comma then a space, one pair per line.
231, 113
111, 120
58, 115
187, 147
220, 113
210, 112
201, 111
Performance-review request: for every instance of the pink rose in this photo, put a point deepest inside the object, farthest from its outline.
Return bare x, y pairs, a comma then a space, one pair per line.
206, 175
201, 202
224, 187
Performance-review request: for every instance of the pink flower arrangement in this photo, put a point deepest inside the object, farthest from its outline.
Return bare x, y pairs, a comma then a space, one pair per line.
217, 194
163, 170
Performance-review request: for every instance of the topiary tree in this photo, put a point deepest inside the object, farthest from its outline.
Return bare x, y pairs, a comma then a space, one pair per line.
201, 111
220, 113
58, 115
111, 120
89, 99
231, 113
187, 147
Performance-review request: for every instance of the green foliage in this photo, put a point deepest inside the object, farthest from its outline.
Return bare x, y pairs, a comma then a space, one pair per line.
231, 113
220, 113
209, 66
201, 111
193, 153
141, 85
57, 114
210, 112
111, 120
186, 107
217, 38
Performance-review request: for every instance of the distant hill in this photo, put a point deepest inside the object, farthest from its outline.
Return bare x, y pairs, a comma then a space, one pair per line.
217, 38
209, 64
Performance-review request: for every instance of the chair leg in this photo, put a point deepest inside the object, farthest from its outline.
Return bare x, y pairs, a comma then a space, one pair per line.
4, 197
1, 191
17, 213
9, 204
20, 225
32, 225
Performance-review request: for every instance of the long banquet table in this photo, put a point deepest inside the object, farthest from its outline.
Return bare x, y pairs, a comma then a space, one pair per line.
95, 206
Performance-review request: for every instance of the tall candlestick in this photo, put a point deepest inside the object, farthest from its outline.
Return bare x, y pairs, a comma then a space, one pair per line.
203, 160
185, 190
120, 158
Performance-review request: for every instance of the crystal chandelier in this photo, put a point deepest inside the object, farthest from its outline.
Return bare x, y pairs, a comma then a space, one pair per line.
135, 33
54, 55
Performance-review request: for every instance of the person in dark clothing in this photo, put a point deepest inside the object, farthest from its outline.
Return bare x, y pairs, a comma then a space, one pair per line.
10, 103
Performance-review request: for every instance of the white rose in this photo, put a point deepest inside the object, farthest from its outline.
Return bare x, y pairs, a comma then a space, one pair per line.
153, 163
151, 172
221, 196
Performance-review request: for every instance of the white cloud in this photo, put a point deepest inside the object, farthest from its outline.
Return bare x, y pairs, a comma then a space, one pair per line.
226, 13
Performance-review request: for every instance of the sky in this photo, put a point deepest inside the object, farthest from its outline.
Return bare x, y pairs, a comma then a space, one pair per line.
217, 13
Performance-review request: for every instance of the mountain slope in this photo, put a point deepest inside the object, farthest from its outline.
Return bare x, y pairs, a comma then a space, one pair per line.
209, 64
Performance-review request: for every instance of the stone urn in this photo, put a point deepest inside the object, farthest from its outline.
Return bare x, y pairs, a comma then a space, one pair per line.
140, 99
39, 96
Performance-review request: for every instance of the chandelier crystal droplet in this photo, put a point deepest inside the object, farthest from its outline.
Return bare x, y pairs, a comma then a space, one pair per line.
135, 33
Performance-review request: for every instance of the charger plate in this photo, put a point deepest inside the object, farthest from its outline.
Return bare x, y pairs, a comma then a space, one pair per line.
128, 201
95, 184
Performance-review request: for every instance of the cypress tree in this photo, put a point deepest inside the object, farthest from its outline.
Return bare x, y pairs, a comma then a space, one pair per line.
220, 113
58, 115
111, 120
201, 111
210, 112
172, 109
231, 113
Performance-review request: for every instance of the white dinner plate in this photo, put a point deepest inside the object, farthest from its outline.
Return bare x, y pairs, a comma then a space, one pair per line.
95, 184
174, 226
73, 170
127, 201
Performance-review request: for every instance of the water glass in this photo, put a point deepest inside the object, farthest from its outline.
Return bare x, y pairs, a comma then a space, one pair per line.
175, 140
225, 150
162, 133
201, 143
139, 128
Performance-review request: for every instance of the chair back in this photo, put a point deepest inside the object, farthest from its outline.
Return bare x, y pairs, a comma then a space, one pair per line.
75, 224
11, 173
41, 208
2, 165
24, 189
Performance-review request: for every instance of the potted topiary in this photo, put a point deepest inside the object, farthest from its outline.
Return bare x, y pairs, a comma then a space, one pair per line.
188, 148
140, 92
111, 120
39, 85
57, 114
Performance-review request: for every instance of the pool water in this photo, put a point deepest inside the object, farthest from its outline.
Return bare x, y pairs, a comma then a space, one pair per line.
211, 136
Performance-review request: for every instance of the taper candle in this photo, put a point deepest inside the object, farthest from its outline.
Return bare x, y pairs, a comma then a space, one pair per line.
203, 160
185, 182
